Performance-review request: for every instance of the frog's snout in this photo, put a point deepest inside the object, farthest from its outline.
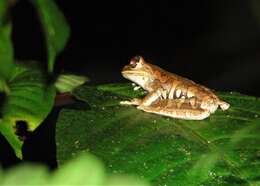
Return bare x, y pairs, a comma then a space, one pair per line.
125, 68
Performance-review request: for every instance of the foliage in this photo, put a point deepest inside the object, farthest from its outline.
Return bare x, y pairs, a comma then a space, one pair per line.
82, 170
28, 101
68, 82
6, 48
55, 27
26, 97
220, 150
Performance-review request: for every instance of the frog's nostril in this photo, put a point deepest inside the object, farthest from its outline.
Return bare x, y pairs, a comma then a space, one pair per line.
126, 68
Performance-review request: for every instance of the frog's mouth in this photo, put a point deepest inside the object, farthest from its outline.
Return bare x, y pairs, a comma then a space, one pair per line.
130, 73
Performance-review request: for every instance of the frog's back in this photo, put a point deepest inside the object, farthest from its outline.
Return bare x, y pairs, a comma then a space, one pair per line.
165, 76
174, 82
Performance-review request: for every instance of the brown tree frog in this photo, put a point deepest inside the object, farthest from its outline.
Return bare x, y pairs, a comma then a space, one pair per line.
170, 94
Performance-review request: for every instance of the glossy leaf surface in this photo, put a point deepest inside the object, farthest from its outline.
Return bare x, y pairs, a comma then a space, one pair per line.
223, 149
27, 103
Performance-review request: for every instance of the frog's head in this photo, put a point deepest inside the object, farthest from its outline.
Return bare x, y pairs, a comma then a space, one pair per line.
138, 71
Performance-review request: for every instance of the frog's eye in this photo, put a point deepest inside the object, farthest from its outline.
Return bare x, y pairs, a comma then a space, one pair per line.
134, 61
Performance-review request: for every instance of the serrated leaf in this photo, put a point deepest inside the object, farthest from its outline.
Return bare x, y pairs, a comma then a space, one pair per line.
55, 26
28, 102
223, 149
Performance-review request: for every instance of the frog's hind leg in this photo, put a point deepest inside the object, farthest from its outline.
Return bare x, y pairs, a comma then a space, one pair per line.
146, 101
188, 114
176, 111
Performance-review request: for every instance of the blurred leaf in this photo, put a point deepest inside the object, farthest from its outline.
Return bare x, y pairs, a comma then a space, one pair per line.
68, 82
223, 149
82, 170
3, 87
27, 103
6, 47
56, 28
94, 172
125, 180
26, 174
3, 11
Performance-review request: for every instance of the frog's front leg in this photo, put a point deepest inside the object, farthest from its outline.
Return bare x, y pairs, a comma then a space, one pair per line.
175, 108
134, 101
146, 101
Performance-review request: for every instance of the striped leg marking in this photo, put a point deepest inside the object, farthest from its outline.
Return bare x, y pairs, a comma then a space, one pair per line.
176, 111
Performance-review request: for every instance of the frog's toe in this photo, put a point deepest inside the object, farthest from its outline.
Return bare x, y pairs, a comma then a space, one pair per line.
125, 103
132, 102
224, 105
136, 88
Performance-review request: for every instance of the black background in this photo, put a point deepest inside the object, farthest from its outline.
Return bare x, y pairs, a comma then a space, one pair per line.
215, 43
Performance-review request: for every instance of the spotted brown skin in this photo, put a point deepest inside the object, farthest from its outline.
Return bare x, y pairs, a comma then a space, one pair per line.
170, 94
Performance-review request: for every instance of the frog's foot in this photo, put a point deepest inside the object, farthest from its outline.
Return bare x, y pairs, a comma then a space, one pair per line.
223, 105
180, 113
136, 88
131, 102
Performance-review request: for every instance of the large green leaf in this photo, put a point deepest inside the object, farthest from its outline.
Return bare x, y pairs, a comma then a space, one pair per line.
55, 26
82, 170
223, 149
28, 101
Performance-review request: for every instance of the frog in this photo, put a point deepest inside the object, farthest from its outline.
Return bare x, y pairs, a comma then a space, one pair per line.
169, 94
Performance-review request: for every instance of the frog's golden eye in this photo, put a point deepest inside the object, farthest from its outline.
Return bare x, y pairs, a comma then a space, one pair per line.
134, 61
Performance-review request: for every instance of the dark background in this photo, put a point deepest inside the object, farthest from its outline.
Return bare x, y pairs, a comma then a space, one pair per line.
215, 43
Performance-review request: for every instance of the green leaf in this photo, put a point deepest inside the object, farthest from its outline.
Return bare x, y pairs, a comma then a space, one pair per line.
93, 168
3, 11
26, 174
68, 82
28, 102
6, 49
223, 149
56, 28
82, 170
